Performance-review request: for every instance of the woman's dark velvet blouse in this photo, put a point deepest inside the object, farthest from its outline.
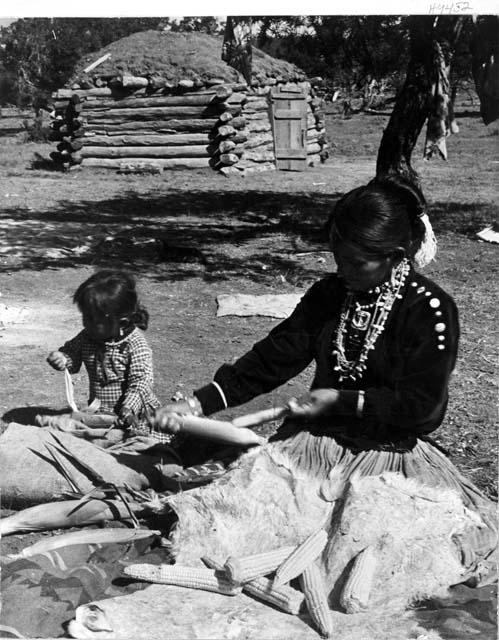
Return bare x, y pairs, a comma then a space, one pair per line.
407, 374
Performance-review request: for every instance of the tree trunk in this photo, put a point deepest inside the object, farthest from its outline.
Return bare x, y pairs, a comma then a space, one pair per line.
237, 98
255, 106
258, 140
226, 117
226, 146
233, 86
156, 101
485, 53
439, 120
259, 126
413, 103
137, 163
229, 158
257, 155
259, 115
161, 126
65, 94
148, 140
226, 130
152, 113
132, 82
188, 151
454, 127
239, 122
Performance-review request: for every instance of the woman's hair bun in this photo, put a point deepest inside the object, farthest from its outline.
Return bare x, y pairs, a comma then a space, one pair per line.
406, 190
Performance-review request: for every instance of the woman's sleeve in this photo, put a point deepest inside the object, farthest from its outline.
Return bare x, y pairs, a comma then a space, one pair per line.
418, 398
286, 351
72, 349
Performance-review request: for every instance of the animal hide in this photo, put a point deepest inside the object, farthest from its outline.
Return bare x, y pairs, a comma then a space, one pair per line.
410, 508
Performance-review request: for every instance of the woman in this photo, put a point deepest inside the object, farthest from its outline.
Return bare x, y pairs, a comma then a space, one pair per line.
384, 338
353, 455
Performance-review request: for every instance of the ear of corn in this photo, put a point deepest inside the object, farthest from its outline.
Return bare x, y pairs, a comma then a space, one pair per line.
355, 595
314, 590
211, 563
244, 569
190, 577
301, 557
285, 598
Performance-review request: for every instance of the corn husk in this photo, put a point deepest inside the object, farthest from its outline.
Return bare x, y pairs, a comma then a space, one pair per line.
95, 536
65, 514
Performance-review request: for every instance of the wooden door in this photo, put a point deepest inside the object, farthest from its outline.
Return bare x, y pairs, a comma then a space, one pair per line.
289, 115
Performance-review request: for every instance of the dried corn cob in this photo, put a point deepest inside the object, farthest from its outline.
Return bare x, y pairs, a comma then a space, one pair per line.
285, 598
314, 590
191, 577
301, 557
212, 564
356, 592
245, 569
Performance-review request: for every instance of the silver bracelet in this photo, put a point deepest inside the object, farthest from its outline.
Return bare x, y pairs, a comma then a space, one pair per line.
360, 404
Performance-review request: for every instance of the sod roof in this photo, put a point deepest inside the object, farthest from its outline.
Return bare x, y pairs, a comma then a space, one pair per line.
177, 56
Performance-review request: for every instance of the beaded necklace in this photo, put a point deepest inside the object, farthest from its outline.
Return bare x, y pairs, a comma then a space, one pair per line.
362, 324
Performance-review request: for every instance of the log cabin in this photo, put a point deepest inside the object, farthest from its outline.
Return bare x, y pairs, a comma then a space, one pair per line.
163, 100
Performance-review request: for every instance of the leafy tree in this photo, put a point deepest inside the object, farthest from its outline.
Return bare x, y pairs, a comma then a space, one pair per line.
345, 50
204, 24
41, 53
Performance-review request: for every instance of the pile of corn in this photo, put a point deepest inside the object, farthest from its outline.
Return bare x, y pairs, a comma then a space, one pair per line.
265, 576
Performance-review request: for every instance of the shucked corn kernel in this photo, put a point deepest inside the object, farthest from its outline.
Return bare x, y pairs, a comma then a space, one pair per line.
191, 577
244, 569
314, 590
357, 589
301, 557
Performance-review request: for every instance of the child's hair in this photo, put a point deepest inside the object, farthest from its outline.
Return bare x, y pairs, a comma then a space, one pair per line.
112, 293
381, 216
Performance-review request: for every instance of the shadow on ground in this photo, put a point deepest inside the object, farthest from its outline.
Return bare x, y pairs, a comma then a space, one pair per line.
217, 234
180, 234
27, 415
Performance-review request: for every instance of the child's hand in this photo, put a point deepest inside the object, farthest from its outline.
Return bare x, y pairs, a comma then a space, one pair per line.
57, 360
128, 419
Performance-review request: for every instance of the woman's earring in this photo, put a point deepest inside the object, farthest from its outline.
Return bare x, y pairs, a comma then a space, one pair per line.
398, 258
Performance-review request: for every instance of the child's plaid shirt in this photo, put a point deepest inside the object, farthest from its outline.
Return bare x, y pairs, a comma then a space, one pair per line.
120, 373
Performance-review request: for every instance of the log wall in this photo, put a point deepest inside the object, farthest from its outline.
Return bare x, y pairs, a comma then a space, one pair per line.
129, 124
255, 123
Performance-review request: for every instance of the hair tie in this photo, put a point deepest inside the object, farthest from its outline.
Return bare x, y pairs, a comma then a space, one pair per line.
428, 247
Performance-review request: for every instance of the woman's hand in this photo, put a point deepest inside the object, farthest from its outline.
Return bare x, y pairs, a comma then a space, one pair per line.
318, 402
167, 418
57, 360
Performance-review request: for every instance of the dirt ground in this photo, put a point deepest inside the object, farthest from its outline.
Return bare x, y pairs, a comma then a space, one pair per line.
191, 236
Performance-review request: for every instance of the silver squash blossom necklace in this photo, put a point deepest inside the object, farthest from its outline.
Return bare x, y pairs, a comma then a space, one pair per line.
368, 318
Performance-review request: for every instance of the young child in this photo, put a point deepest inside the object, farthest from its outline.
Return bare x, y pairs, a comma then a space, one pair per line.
113, 348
